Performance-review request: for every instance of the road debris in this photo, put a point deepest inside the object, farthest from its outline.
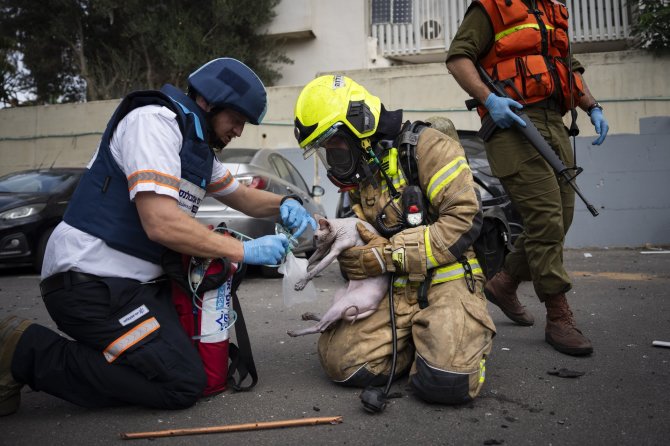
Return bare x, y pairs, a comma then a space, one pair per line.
565, 373
233, 428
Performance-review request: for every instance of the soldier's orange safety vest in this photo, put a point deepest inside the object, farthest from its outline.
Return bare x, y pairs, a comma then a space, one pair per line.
530, 51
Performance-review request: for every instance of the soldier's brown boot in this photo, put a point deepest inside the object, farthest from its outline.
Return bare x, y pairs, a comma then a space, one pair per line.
501, 291
561, 331
11, 330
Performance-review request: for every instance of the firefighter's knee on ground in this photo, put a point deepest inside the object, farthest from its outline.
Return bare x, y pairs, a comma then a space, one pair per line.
440, 386
363, 378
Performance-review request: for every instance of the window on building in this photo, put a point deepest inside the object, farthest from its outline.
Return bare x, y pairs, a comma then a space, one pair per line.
391, 11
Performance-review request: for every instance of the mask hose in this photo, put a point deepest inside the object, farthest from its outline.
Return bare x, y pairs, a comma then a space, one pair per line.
374, 399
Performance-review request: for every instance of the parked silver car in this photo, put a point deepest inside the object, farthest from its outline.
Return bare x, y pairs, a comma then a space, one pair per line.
263, 169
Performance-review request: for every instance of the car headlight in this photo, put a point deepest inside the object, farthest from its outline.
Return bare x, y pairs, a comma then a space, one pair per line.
22, 212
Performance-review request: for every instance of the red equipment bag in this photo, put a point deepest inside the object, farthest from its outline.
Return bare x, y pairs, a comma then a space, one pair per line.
206, 315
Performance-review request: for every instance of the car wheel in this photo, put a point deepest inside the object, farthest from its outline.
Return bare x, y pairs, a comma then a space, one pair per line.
38, 259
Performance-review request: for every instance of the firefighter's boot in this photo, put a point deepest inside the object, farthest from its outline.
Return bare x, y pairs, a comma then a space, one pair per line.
500, 290
561, 331
11, 330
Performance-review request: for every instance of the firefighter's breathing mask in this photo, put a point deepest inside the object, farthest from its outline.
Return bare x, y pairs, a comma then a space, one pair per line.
342, 155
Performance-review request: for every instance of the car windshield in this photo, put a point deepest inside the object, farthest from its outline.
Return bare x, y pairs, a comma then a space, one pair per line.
30, 182
239, 156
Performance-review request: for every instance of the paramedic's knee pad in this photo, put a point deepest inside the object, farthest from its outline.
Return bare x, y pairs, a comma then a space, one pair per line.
440, 386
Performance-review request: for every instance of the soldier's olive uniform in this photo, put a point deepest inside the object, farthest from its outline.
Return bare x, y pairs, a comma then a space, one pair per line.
445, 343
546, 205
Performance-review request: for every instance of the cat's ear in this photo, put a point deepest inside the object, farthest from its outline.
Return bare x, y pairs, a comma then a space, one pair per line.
322, 221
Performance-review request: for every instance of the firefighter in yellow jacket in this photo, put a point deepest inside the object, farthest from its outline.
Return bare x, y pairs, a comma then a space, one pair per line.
444, 331
524, 45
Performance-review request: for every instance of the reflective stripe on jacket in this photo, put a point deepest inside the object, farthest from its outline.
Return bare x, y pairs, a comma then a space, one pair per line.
442, 274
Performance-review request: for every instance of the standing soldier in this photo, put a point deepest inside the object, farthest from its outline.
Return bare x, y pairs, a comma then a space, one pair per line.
524, 45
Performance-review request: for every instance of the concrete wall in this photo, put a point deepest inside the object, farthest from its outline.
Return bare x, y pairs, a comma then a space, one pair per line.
60, 135
631, 85
323, 35
626, 179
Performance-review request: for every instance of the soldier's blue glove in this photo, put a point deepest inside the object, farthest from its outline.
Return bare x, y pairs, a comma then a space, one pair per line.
266, 250
600, 124
293, 216
500, 111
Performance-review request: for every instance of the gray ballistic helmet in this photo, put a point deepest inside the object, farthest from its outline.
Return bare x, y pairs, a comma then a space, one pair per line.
228, 83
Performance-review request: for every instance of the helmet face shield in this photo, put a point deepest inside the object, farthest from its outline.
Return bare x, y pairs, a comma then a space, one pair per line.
311, 148
340, 153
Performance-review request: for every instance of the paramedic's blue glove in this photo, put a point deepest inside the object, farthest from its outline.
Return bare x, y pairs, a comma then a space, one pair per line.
500, 111
266, 250
600, 124
293, 215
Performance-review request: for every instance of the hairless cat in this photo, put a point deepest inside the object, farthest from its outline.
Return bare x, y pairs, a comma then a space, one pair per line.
361, 297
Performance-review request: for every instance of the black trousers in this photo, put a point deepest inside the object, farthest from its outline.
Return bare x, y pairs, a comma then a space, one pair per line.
160, 369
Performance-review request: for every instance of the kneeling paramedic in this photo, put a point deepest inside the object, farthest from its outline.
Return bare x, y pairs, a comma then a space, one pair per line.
414, 185
154, 165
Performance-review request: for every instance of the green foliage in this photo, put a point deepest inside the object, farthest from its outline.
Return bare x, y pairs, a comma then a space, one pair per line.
653, 25
75, 50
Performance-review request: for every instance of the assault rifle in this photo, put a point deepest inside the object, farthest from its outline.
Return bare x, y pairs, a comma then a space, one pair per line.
568, 174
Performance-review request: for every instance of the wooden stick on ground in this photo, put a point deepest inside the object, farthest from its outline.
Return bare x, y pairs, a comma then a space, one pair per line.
233, 428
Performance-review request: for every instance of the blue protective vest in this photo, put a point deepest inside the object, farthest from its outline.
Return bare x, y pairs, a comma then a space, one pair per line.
101, 205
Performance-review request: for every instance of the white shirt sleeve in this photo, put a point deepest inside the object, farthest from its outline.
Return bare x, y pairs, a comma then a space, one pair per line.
146, 146
223, 182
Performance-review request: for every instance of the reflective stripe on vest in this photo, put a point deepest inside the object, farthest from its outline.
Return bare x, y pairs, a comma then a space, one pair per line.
130, 338
443, 274
513, 29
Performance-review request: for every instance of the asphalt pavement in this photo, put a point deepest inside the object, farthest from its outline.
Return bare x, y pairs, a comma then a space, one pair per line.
620, 300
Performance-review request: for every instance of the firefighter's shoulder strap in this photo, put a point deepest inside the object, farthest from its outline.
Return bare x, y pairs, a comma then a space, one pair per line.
406, 143
241, 357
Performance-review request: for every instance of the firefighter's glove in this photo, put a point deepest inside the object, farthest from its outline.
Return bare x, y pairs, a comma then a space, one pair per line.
365, 261
501, 111
266, 250
407, 253
600, 124
293, 216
